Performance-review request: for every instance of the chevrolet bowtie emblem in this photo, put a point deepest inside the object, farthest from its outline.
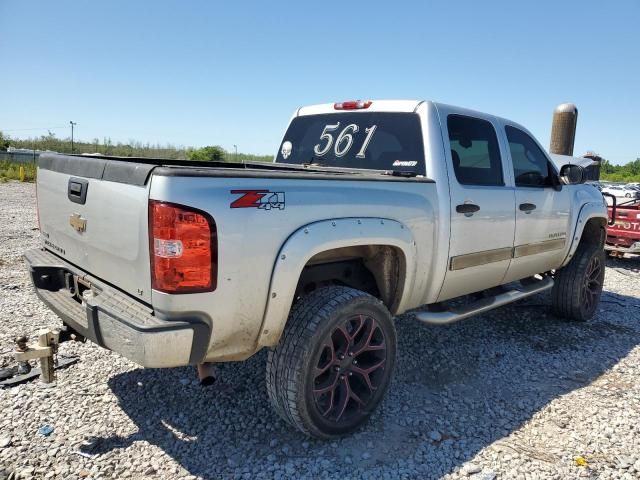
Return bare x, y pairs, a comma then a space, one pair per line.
78, 223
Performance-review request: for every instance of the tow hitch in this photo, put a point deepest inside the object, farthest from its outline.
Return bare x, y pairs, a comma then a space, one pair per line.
45, 350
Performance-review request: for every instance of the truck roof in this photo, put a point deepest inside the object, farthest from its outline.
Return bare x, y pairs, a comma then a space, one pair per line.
376, 106
407, 106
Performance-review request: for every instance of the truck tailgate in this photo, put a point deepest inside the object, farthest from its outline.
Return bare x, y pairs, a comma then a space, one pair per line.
94, 215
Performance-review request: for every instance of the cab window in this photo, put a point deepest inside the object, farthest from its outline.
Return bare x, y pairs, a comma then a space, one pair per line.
359, 139
530, 165
474, 151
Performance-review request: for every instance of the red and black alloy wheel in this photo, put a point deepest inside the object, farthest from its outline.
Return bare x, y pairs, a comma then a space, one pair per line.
350, 368
334, 362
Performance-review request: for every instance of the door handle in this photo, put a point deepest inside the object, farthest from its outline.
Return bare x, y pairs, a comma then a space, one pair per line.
467, 208
527, 207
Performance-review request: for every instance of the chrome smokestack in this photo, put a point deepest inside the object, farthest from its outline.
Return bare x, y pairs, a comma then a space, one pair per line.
563, 129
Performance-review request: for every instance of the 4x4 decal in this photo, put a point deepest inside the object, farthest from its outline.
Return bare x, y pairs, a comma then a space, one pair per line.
263, 199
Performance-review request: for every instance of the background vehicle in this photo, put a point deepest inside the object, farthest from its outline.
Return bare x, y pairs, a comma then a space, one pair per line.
623, 231
621, 191
370, 209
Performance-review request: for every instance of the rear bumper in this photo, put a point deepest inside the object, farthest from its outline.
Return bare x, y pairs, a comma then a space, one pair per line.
113, 319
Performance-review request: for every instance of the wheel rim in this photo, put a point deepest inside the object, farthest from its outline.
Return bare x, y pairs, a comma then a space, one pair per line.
592, 284
349, 369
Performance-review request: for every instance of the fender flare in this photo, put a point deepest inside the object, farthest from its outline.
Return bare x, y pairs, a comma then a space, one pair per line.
321, 236
587, 212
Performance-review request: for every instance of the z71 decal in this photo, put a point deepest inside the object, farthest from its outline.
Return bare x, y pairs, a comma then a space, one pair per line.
263, 199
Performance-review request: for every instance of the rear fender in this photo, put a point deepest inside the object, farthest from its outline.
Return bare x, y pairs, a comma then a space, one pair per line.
322, 236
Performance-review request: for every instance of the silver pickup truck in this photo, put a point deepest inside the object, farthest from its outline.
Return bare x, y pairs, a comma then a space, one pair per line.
370, 209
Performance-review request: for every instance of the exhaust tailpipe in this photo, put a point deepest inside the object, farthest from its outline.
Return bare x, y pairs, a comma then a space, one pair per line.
563, 129
207, 373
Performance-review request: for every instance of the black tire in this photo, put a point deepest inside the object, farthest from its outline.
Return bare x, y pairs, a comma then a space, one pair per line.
315, 354
627, 195
577, 288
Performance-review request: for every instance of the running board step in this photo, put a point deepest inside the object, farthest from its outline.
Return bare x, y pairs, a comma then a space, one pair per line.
464, 311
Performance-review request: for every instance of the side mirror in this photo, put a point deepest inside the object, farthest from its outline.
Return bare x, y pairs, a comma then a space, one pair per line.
571, 174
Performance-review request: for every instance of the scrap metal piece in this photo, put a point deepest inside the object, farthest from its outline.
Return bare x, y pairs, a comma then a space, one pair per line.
23, 367
33, 353
18, 379
46, 348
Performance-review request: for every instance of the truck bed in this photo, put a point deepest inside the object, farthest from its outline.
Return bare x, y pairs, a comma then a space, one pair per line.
136, 170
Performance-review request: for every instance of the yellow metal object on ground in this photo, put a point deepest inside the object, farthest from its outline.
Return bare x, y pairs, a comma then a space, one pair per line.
581, 461
21, 173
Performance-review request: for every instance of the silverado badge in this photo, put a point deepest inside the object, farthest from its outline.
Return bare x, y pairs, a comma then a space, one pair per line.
78, 223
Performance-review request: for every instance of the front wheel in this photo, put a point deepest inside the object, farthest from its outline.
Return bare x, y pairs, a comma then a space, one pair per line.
578, 286
334, 362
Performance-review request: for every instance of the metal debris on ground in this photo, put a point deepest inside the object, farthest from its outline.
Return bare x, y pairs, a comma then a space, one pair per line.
581, 461
85, 454
46, 430
63, 361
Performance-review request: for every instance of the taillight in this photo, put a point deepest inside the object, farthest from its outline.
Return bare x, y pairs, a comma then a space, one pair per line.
183, 249
352, 105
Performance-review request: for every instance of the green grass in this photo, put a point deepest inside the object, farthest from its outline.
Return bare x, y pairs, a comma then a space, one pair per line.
619, 177
11, 171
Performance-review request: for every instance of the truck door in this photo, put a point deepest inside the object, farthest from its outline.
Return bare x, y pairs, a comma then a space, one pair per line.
542, 212
482, 204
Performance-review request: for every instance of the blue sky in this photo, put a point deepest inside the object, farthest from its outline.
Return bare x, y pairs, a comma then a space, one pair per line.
198, 73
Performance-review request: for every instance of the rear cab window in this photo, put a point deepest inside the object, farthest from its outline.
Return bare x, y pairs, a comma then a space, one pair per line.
367, 140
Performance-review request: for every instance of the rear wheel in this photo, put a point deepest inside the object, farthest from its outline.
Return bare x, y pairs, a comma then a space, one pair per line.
334, 362
578, 286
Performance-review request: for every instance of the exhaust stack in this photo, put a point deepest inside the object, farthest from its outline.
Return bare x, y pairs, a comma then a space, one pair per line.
563, 129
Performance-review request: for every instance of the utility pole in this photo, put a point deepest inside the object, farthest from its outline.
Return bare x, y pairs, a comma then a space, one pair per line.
235, 147
72, 125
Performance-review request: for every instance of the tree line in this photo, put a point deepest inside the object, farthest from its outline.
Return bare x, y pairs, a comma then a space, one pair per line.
630, 172
132, 148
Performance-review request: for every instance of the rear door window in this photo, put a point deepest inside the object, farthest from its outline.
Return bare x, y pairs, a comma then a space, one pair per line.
369, 140
474, 151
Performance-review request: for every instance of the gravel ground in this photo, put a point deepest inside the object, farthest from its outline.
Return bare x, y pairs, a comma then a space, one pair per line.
514, 394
